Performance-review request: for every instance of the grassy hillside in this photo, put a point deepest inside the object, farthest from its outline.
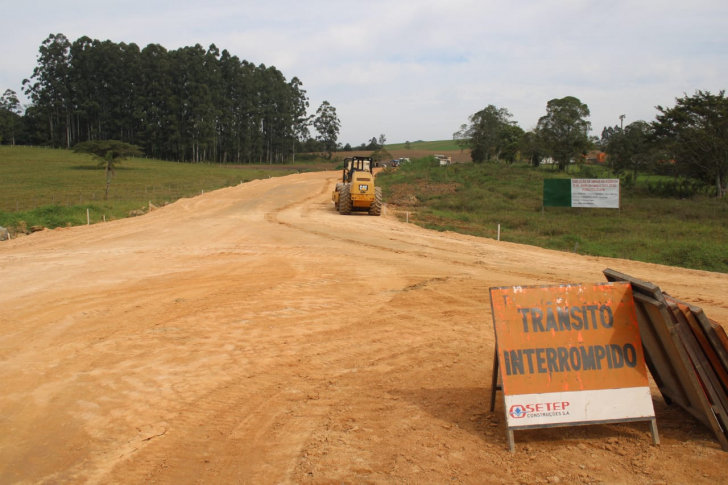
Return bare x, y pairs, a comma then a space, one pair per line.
55, 187
433, 146
475, 198
417, 149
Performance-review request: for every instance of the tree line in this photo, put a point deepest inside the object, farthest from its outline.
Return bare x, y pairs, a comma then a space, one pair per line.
190, 104
689, 139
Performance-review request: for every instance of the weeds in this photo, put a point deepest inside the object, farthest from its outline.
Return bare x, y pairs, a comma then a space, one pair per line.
662, 220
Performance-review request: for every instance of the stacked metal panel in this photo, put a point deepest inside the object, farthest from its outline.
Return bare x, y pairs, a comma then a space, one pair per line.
686, 353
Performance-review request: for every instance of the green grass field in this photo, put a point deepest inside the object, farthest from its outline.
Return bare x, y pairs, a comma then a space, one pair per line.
54, 188
475, 198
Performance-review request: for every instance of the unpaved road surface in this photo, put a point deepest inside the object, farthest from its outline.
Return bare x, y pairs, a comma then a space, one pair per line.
253, 335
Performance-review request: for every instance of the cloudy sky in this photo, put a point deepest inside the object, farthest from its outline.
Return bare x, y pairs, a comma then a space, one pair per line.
416, 69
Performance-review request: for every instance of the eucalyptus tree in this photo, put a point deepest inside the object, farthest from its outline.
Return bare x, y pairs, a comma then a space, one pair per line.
158, 103
327, 125
86, 85
227, 99
10, 111
49, 88
188, 104
194, 84
300, 120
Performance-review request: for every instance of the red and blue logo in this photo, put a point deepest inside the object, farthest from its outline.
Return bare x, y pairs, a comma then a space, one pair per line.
518, 411
542, 409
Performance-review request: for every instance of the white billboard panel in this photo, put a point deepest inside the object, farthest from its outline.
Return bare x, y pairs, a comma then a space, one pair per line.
595, 193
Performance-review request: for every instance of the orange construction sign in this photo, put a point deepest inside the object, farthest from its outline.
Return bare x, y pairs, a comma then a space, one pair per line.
567, 338
569, 355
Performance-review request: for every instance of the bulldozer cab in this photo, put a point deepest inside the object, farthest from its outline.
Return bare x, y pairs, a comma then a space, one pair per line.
356, 164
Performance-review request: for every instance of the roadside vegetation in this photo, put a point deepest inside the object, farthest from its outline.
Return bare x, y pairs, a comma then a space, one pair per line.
435, 146
53, 188
688, 140
665, 220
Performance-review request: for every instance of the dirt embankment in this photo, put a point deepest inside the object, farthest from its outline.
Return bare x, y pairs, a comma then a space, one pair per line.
253, 335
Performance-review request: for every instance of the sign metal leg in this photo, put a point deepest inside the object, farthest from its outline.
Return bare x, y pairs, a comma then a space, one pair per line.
655, 434
511, 441
494, 380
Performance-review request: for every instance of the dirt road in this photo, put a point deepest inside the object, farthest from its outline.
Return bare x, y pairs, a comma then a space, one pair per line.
253, 335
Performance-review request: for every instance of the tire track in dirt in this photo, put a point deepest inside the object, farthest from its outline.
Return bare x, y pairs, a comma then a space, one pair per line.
473, 255
253, 335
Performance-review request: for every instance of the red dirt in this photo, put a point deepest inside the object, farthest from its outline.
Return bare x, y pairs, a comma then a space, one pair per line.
253, 335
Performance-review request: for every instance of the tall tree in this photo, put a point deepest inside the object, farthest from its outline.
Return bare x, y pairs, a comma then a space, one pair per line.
489, 132
9, 115
530, 147
630, 148
563, 131
509, 143
607, 133
49, 88
695, 133
189, 104
299, 119
327, 125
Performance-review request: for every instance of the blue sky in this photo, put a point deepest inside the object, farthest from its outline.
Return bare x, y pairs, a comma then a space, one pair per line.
417, 69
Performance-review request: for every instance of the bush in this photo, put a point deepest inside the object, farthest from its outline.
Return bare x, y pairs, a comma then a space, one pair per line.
680, 188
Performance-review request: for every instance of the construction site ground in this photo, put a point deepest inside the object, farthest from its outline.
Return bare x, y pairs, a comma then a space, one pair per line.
254, 335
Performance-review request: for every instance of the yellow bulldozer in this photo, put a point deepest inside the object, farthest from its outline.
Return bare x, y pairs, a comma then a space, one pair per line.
356, 192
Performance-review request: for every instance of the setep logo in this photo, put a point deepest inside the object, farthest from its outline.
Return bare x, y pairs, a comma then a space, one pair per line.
517, 411
521, 411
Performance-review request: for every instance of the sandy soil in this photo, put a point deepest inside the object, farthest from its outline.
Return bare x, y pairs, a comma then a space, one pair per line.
253, 335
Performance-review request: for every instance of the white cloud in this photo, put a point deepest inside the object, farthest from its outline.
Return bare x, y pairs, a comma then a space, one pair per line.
416, 69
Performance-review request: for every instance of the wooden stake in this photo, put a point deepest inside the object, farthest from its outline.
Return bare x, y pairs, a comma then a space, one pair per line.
88, 218
499, 232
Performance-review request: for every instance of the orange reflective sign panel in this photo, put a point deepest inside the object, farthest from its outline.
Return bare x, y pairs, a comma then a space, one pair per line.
567, 338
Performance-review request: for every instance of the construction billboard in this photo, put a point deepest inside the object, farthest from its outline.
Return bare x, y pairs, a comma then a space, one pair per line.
588, 193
